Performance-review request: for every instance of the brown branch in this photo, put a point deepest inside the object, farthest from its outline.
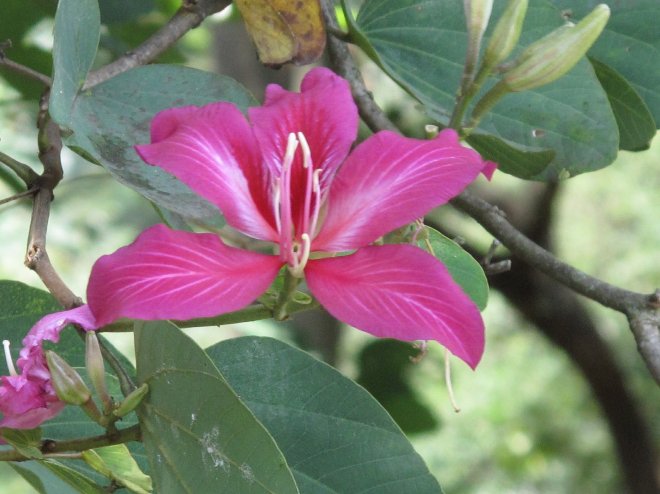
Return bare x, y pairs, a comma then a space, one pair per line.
22, 69
48, 446
642, 310
36, 258
189, 16
20, 195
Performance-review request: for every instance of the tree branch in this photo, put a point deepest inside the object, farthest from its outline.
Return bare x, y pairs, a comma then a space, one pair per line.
189, 16
23, 70
48, 446
36, 258
642, 310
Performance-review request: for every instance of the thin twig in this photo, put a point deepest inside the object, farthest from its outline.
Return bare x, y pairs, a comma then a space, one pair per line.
23, 70
642, 310
25, 193
189, 16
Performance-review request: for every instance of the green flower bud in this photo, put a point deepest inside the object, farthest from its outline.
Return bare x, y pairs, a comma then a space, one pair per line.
506, 33
551, 57
132, 401
477, 14
67, 383
96, 369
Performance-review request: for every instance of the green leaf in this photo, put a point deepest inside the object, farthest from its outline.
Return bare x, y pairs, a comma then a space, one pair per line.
421, 44
53, 477
111, 118
25, 441
512, 160
116, 463
76, 37
198, 434
636, 124
630, 44
464, 269
335, 436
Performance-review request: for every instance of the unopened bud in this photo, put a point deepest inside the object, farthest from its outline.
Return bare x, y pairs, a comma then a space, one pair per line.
132, 401
96, 369
477, 15
67, 383
551, 57
506, 33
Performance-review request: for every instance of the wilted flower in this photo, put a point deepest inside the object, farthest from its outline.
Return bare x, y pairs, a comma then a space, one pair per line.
27, 397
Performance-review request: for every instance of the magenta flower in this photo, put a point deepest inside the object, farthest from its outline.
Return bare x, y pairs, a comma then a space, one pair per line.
286, 177
28, 399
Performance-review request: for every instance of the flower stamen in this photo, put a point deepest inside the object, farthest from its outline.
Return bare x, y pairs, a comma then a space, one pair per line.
284, 196
10, 364
307, 165
316, 188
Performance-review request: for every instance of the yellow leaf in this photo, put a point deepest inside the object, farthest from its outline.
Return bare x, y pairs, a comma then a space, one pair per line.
284, 30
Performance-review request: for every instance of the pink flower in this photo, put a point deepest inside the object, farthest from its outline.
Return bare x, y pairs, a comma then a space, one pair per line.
287, 177
28, 399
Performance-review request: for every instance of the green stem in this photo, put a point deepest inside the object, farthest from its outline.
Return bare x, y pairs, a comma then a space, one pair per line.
24, 172
485, 104
281, 310
81, 444
249, 314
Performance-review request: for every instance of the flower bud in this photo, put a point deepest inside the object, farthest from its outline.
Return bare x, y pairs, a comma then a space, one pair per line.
132, 401
506, 33
96, 369
549, 58
67, 383
477, 15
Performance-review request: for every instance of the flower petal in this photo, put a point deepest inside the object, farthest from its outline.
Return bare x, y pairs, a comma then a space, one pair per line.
212, 150
389, 181
323, 111
50, 326
402, 292
168, 274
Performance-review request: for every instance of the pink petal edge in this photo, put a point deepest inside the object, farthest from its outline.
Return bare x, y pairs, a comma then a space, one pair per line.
402, 292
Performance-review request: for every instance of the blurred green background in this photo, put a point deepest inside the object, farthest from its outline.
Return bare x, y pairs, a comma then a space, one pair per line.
529, 422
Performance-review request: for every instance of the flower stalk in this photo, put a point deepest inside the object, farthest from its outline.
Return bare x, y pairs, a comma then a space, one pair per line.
281, 309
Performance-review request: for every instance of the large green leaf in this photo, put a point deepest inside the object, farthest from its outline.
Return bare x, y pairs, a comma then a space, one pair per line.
630, 44
198, 434
76, 37
636, 124
111, 118
421, 44
335, 436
